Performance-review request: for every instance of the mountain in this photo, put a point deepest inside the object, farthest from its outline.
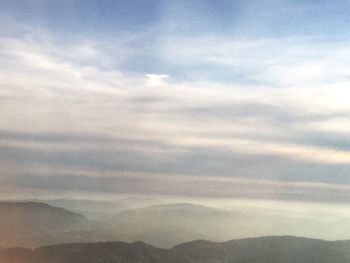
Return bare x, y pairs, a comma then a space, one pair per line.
170, 224
101, 209
276, 249
286, 249
41, 216
34, 224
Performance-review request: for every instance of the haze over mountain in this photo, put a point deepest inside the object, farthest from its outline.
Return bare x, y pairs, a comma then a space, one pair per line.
37, 224
279, 249
170, 224
102, 209
32, 224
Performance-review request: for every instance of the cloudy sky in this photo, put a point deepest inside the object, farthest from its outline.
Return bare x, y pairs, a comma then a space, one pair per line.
245, 99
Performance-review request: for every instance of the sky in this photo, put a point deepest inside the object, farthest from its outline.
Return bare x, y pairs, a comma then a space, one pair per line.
202, 99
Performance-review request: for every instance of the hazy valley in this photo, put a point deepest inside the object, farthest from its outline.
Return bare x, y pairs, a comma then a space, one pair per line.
35, 224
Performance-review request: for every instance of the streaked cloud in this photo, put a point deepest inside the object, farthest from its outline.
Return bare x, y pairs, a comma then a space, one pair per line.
213, 114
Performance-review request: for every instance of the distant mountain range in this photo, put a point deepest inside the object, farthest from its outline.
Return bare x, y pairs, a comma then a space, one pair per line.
274, 249
36, 224
170, 224
100, 210
33, 224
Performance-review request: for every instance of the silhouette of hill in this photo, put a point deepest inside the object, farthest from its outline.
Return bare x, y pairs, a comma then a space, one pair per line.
276, 249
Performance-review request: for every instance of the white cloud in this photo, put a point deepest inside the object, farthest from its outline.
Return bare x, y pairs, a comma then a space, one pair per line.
156, 79
43, 89
291, 61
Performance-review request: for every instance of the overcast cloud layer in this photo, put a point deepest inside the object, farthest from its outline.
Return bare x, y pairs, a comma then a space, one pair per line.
182, 99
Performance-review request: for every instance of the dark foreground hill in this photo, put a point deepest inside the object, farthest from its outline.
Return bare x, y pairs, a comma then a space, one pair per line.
284, 249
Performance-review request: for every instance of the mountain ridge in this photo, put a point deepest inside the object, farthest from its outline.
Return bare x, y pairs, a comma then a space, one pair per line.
277, 249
